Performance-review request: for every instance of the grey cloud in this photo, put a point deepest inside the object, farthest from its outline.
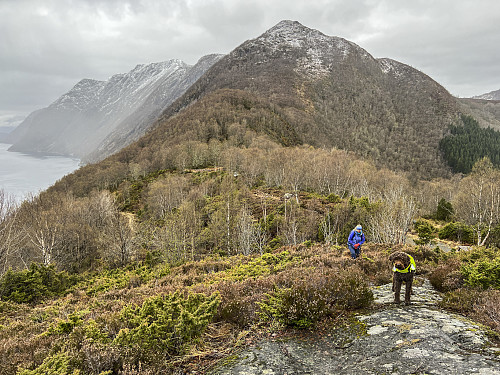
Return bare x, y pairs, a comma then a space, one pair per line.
453, 42
47, 46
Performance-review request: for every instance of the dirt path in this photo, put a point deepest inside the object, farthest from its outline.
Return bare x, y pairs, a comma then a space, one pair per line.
415, 339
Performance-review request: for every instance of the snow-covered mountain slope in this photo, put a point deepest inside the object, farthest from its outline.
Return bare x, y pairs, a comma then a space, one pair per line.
493, 95
320, 51
93, 112
133, 126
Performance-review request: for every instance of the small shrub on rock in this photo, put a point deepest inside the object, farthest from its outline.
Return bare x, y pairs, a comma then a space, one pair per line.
487, 309
377, 269
239, 300
484, 273
461, 300
305, 296
447, 276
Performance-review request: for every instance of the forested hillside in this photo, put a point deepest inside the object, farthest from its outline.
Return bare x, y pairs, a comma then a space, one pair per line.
326, 92
486, 112
260, 233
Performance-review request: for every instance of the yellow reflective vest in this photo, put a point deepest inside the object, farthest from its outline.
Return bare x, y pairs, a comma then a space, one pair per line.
411, 267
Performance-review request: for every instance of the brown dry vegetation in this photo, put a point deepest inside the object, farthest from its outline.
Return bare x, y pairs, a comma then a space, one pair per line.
31, 334
470, 280
295, 286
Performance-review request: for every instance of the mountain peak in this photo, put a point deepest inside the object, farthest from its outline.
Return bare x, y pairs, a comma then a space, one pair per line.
292, 32
159, 66
312, 51
288, 25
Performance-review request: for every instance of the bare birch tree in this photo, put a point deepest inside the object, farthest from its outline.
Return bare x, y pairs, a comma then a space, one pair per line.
10, 233
166, 194
478, 200
246, 232
393, 217
42, 225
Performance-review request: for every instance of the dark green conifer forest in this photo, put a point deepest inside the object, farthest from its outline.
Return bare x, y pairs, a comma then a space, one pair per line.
467, 143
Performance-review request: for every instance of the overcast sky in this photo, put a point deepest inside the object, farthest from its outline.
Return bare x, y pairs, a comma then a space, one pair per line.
47, 46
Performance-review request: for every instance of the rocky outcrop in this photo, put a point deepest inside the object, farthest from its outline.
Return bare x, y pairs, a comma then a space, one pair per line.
415, 339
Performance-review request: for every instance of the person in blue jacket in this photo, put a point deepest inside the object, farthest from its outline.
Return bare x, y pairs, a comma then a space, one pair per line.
355, 240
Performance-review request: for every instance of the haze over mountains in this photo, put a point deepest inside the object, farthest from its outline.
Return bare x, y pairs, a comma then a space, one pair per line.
292, 84
493, 95
97, 118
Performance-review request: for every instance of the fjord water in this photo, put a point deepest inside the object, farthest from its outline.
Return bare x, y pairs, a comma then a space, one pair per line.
23, 174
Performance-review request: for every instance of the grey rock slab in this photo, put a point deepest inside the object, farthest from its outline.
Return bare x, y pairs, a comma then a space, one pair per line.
423, 293
415, 339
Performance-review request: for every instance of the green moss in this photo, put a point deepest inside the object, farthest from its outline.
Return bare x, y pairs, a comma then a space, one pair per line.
348, 329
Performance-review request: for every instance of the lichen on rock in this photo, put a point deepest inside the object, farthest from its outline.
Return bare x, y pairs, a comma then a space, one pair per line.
419, 338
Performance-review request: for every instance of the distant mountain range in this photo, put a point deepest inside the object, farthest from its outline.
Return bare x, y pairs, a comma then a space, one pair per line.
96, 118
293, 85
493, 95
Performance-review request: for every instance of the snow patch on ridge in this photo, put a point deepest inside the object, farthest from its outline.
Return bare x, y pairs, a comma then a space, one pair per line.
390, 66
123, 87
320, 52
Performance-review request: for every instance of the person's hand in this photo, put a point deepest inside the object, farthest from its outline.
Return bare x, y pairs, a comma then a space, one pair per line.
356, 245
